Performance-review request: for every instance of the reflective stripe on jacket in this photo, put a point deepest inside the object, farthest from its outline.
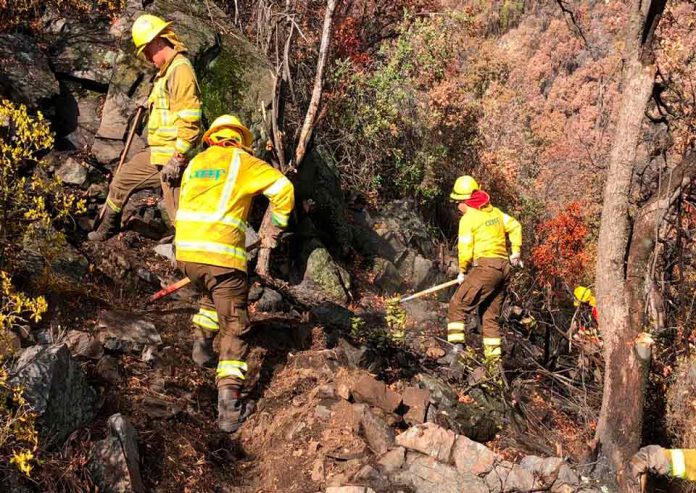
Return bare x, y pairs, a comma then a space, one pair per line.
482, 235
215, 198
683, 463
175, 111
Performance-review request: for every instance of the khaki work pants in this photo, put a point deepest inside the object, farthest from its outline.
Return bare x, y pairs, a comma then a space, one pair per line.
481, 294
226, 291
136, 174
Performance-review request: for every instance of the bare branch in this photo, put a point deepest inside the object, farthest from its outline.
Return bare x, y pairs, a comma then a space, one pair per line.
313, 110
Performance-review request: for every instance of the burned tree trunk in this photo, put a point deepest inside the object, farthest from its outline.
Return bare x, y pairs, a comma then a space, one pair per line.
620, 421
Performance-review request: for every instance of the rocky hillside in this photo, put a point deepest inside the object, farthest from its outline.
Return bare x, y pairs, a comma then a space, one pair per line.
341, 407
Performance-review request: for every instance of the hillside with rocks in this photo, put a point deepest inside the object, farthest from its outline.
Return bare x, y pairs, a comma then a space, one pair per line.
98, 389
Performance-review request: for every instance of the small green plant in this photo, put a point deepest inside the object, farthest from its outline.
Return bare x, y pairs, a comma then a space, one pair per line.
396, 320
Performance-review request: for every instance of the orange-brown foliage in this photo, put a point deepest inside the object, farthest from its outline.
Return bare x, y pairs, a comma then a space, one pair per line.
561, 252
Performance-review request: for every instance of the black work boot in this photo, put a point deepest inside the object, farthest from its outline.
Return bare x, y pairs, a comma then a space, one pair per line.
232, 412
108, 227
203, 354
452, 355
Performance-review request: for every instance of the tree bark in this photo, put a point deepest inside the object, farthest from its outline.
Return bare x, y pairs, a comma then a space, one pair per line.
620, 421
313, 110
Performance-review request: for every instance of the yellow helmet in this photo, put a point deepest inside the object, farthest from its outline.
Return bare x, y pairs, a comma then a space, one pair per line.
219, 130
463, 188
583, 295
146, 28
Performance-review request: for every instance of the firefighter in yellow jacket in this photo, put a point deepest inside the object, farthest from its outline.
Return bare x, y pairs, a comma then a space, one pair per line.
173, 129
483, 253
216, 195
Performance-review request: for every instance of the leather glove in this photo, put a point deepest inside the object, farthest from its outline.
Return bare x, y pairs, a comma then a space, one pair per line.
460, 277
172, 171
652, 458
516, 260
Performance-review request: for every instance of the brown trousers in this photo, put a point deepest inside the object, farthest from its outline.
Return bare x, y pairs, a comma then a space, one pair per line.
136, 174
481, 294
226, 291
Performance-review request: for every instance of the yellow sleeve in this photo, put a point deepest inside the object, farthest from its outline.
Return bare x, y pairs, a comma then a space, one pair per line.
465, 243
264, 178
185, 102
514, 231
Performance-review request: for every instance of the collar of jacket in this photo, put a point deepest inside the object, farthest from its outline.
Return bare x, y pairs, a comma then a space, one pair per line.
164, 68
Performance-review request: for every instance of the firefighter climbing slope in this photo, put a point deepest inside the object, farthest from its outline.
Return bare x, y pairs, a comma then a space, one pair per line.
216, 195
173, 128
483, 253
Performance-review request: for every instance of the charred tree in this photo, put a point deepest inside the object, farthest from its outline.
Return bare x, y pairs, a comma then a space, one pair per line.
619, 428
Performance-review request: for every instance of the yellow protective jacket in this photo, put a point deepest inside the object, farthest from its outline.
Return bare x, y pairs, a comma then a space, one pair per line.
682, 463
482, 235
175, 111
215, 198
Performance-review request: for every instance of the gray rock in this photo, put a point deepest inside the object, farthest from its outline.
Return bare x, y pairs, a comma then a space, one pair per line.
126, 332
424, 273
378, 434
333, 315
428, 439
386, 276
81, 136
393, 460
333, 279
107, 369
73, 172
166, 250
554, 472
255, 293
428, 475
473, 457
318, 182
159, 408
26, 76
40, 245
56, 389
115, 461
83, 345
421, 311
107, 150
417, 401
371, 391
271, 301
508, 478
84, 51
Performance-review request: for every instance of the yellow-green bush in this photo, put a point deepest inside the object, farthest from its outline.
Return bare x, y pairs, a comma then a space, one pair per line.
29, 198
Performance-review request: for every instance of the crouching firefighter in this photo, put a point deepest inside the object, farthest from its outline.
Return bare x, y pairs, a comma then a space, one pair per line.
216, 195
482, 250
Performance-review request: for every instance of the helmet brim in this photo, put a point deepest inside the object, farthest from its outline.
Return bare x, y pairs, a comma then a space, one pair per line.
247, 137
142, 47
460, 197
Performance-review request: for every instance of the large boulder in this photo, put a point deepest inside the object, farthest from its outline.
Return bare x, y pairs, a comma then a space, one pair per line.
318, 189
55, 387
427, 475
46, 251
115, 461
25, 75
84, 51
322, 271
